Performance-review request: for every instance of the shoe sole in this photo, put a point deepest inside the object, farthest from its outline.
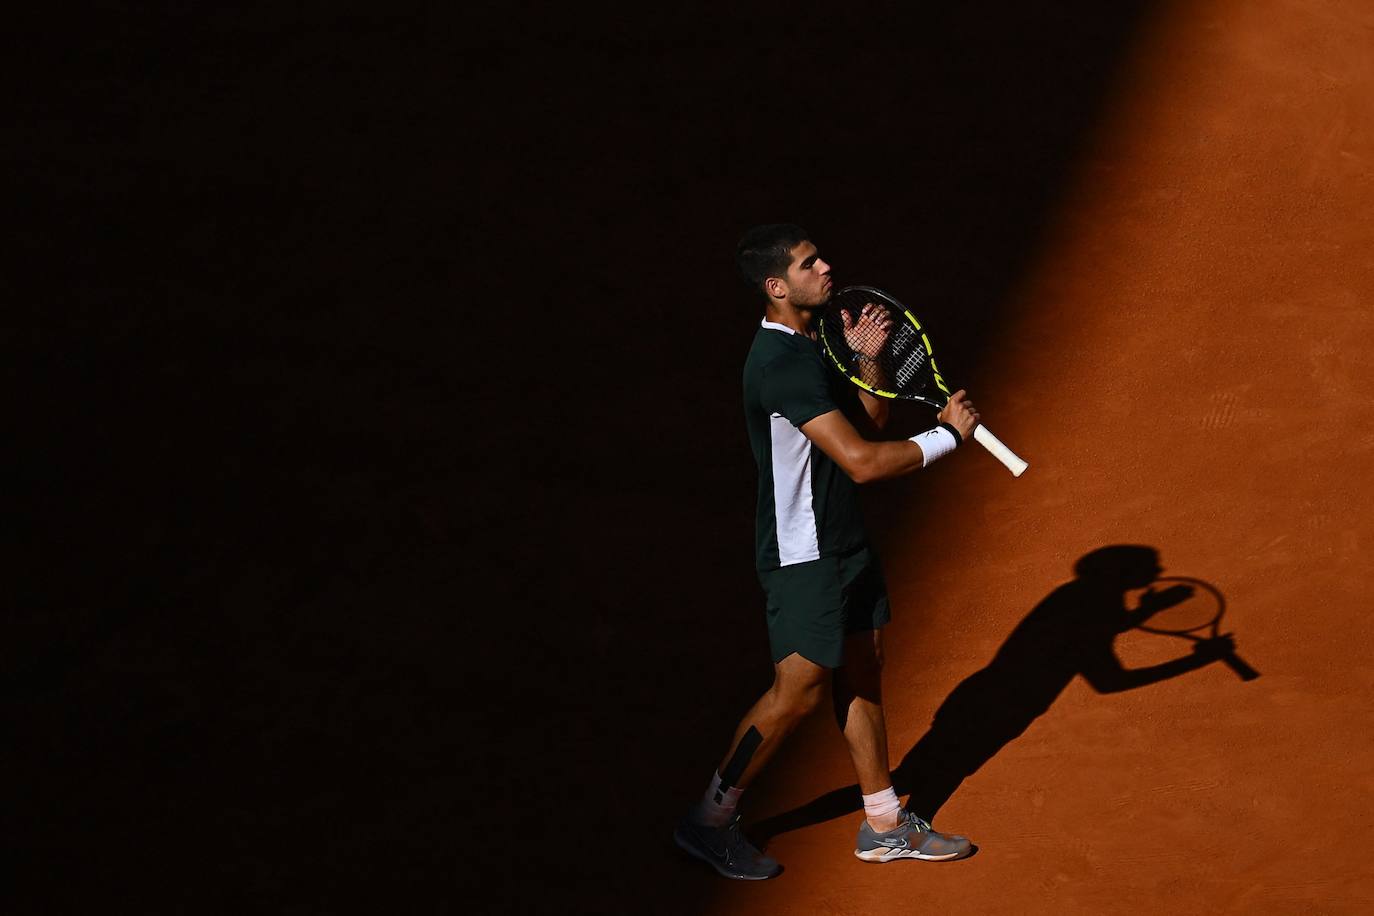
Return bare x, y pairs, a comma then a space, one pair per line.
691, 850
884, 854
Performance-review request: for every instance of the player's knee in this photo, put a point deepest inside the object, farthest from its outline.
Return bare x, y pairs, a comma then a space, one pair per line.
799, 699
810, 698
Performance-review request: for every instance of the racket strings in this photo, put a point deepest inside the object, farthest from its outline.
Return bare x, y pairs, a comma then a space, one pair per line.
908, 357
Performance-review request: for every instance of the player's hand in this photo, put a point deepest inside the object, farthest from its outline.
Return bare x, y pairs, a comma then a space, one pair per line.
868, 333
960, 414
1215, 647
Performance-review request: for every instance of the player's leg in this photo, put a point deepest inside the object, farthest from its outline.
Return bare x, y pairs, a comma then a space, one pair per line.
806, 635
798, 690
858, 701
711, 831
888, 831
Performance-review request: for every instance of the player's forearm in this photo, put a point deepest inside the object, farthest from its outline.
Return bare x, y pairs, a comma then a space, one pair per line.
885, 460
871, 371
866, 460
876, 408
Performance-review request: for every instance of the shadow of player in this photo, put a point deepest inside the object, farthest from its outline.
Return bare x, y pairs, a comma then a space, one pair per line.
1069, 633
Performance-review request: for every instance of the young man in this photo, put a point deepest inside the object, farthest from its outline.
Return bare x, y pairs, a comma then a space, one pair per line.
826, 599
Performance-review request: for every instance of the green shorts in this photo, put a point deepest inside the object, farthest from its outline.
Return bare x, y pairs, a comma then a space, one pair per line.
813, 606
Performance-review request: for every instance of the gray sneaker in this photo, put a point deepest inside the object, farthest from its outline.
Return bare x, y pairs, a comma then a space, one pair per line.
725, 849
911, 839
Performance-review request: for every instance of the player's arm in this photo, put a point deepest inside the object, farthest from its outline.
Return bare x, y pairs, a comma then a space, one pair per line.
865, 460
1105, 674
876, 408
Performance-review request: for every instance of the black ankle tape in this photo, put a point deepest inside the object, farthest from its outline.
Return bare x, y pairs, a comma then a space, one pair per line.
739, 761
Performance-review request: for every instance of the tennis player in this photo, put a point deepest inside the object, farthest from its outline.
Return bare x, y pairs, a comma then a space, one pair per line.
814, 437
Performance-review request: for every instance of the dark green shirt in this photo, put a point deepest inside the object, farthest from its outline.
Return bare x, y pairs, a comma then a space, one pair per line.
808, 507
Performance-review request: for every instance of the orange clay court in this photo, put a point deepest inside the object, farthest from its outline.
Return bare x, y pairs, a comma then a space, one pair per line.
1189, 369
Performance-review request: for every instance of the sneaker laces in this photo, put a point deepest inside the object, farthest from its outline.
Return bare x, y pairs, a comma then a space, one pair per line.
736, 841
918, 823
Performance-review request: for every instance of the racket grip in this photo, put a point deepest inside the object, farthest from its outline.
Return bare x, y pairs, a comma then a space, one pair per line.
999, 451
1244, 671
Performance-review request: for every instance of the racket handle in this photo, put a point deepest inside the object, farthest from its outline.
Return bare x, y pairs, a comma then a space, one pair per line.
1244, 671
999, 451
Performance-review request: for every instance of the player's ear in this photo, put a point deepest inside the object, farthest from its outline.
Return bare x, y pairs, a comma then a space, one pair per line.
776, 287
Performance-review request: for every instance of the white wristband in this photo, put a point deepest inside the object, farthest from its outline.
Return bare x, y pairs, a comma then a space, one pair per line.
935, 443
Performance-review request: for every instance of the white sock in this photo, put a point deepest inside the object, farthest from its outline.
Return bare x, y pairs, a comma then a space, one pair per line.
882, 805
718, 805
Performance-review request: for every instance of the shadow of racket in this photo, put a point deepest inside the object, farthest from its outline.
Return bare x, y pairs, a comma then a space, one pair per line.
1193, 611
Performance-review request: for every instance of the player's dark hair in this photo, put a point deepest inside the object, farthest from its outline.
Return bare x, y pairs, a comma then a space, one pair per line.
765, 251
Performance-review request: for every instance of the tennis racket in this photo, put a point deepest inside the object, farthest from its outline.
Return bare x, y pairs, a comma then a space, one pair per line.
896, 363
1194, 612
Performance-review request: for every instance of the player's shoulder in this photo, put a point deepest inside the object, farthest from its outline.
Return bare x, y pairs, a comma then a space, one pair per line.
789, 372
776, 362
764, 348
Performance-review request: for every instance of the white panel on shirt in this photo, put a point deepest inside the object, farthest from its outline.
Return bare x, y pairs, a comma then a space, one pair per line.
792, 506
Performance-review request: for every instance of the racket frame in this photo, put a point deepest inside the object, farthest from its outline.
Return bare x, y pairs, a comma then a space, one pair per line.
981, 434
893, 305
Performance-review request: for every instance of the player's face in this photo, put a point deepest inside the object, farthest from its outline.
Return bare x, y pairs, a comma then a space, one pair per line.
808, 278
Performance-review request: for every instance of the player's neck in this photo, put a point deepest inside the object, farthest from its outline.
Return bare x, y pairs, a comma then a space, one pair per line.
789, 315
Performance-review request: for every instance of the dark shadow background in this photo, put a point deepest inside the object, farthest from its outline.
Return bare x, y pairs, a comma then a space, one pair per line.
378, 483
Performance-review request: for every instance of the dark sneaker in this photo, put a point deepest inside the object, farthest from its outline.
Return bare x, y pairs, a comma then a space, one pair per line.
911, 839
725, 849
